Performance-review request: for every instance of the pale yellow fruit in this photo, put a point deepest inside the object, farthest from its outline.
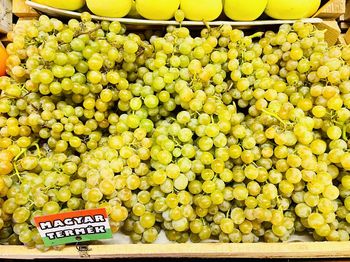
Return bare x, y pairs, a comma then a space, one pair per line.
63, 4
292, 9
157, 9
201, 10
244, 10
110, 8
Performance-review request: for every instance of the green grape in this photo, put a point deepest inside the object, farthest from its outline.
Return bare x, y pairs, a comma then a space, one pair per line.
223, 135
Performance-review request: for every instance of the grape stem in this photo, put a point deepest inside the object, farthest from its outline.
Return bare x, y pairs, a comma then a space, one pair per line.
228, 213
140, 51
194, 79
229, 87
207, 25
345, 137
23, 89
37, 149
16, 171
90, 31
177, 143
279, 203
24, 150
275, 116
256, 35
133, 145
31, 204
20, 153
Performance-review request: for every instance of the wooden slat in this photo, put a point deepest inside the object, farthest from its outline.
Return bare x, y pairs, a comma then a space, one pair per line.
207, 250
21, 9
347, 37
331, 10
341, 40
4, 39
347, 11
333, 31
344, 25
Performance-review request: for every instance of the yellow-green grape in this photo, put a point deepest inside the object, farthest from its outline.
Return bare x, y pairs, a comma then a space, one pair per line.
217, 136
179, 15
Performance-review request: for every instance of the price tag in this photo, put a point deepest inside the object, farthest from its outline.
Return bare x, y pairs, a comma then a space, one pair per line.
72, 227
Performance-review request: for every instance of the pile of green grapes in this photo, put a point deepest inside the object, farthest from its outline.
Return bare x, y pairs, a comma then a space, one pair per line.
226, 136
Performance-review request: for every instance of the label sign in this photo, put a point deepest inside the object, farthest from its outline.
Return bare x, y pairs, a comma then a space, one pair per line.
75, 226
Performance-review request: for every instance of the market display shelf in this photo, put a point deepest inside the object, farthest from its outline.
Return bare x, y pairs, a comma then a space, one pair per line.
293, 249
132, 21
332, 8
207, 250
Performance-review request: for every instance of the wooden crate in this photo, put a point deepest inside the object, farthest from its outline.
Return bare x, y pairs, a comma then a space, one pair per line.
333, 31
21, 9
347, 37
203, 250
4, 40
5, 16
347, 11
341, 40
344, 25
333, 9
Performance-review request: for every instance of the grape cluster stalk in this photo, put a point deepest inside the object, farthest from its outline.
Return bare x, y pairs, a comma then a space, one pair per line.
224, 136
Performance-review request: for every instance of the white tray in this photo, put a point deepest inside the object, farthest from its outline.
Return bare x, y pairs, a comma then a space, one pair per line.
132, 21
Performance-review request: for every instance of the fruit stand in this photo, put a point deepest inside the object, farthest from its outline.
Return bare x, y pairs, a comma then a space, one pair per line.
143, 129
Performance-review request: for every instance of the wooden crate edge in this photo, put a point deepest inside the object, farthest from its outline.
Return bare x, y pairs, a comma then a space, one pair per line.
21, 9
253, 250
341, 40
347, 37
331, 10
332, 31
347, 11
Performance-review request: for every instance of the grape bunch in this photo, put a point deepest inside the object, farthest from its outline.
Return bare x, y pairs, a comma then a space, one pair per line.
220, 135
